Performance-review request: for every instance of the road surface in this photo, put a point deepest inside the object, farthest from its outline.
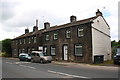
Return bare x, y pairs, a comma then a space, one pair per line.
12, 68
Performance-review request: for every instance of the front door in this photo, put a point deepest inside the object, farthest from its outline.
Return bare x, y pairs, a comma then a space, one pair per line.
65, 52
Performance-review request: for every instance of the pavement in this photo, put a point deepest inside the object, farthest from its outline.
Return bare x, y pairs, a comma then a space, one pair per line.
72, 64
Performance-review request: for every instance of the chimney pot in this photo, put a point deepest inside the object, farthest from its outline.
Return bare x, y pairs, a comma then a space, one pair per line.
73, 18
35, 28
36, 22
46, 25
26, 31
98, 13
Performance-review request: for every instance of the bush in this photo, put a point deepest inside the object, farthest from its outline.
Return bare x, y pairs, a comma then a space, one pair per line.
3, 54
6, 47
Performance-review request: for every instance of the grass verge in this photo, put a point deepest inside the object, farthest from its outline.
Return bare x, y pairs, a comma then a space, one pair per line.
105, 63
3, 54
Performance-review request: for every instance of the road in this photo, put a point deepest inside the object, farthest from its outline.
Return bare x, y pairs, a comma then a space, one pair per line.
12, 68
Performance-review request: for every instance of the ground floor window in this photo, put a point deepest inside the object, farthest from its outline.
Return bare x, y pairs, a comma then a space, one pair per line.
78, 50
20, 51
28, 50
33, 49
23, 50
52, 50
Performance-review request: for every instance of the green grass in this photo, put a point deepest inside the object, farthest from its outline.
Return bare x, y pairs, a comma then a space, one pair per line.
3, 54
110, 62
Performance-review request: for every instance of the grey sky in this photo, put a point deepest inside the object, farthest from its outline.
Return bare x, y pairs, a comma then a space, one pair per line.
17, 15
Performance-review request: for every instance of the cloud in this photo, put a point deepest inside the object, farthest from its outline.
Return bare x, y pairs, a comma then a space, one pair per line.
20, 14
8, 9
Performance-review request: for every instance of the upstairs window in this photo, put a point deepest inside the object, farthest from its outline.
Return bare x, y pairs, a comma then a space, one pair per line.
80, 32
78, 50
20, 41
13, 42
55, 36
68, 34
24, 41
34, 39
29, 40
16, 42
53, 50
47, 37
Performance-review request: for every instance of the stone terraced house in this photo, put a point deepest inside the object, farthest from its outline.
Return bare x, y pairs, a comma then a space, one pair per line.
77, 41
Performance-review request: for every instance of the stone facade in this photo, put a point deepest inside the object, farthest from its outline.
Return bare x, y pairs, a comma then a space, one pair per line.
68, 42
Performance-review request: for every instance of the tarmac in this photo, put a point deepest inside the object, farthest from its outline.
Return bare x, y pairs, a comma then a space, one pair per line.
72, 64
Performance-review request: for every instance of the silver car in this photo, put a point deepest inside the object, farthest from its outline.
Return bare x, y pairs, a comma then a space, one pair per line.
38, 56
24, 57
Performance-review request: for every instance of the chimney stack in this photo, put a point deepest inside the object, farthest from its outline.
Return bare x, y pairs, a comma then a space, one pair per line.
35, 28
73, 18
46, 25
26, 31
98, 13
36, 22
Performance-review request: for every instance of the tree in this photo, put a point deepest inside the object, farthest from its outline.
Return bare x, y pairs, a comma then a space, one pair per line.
6, 47
0, 46
119, 43
115, 44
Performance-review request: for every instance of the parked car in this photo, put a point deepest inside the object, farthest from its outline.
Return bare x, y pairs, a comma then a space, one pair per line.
116, 58
39, 56
24, 57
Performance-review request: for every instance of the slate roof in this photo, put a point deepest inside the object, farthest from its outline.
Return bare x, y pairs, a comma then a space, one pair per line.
29, 34
71, 24
57, 27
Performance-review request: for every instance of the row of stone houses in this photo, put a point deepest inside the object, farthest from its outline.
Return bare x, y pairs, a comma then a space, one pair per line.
77, 41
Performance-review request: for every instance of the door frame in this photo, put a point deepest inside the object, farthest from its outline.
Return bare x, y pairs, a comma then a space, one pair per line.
63, 57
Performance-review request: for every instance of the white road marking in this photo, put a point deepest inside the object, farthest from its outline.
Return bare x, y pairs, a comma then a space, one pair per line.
8, 62
28, 66
65, 74
21, 62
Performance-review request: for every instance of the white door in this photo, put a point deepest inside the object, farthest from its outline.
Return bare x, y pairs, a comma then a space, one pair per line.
45, 49
65, 52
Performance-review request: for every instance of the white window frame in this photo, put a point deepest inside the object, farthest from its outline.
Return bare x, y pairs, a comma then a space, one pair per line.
23, 50
19, 51
52, 52
79, 46
28, 50
47, 37
20, 41
29, 40
33, 49
55, 36
79, 32
34, 39
16, 42
68, 34
24, 41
